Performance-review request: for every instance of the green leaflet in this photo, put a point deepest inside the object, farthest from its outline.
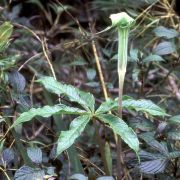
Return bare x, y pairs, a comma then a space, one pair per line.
174, 119
122, 129
6, 30
145, 106
107, 106
47, 111
131, 104
86, 100
67, 138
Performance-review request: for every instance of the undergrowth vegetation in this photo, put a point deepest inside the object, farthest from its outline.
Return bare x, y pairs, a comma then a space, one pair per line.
89, 89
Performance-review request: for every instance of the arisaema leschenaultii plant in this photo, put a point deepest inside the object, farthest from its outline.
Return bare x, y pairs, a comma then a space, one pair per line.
85, 110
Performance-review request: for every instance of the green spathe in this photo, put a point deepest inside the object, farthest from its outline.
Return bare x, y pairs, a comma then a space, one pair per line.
122, 20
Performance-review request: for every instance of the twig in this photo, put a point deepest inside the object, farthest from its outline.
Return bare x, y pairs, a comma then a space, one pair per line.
45, 49
101, 77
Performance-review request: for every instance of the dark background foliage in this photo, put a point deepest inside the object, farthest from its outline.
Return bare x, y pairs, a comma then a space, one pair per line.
66, 29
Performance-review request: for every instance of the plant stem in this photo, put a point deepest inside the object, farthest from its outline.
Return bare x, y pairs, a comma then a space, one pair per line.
122, 63
122, 21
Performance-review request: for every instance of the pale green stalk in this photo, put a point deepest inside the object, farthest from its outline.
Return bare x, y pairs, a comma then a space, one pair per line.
122, 22
122, 61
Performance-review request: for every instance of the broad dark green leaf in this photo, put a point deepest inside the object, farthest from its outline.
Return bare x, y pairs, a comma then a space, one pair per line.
174, 135
153, 166
147, 136
162, 148
23, 101
146, 156
162, 31
153, 163
28, 173
174, 154
35, 154
153, 57
122, 129
91, 73
78, 177
174, 119
67, 138
6, 157
161, 127
86, 100
139, 122
17, 81
47, 111
164, 48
